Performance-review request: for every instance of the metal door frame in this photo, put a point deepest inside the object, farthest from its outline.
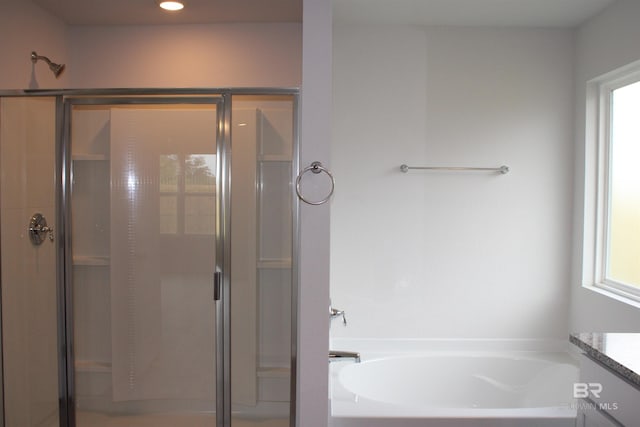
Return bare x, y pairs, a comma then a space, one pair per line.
67, 372
222, 98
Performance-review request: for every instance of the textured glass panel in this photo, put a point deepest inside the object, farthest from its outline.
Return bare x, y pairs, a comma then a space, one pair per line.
198, 215
275, 211
168, 214
261, 234
199, 173
276, 129
91, 196
169, 173
145, 320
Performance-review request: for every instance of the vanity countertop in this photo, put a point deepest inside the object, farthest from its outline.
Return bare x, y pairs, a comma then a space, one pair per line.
619, 352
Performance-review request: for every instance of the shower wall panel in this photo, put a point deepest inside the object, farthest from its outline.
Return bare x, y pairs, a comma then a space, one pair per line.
452, 254
29, 326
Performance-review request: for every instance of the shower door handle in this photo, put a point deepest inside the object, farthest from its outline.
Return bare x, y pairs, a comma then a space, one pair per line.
217, 285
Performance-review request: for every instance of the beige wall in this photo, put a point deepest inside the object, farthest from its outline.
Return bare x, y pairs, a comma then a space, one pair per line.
28, 272
233, 55
220, 55
25, 27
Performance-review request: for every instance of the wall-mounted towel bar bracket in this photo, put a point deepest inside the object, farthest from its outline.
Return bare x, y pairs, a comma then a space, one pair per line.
502, 169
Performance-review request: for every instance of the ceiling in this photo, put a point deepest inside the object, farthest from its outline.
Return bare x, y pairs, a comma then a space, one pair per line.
147, 12
511, 13
520, 13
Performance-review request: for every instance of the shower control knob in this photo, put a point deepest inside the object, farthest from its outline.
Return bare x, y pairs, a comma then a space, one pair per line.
38, 229
46, 230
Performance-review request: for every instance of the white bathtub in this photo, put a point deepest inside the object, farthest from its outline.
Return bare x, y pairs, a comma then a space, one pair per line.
474, 383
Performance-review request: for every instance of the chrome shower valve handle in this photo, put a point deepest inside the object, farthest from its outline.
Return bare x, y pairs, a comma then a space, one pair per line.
38, 229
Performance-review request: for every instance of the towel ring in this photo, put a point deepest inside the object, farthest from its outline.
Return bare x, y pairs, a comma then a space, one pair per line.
315, 167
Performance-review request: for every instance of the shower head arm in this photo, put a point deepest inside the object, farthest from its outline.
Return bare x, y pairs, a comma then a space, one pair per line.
35, 57
56, 68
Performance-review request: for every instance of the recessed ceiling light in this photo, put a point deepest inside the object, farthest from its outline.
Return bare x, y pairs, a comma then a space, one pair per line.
171, 5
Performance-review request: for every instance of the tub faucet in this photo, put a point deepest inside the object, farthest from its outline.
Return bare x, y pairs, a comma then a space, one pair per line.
334, 312
339, 356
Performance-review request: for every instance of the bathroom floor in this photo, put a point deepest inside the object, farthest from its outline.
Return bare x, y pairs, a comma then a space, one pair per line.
94, 419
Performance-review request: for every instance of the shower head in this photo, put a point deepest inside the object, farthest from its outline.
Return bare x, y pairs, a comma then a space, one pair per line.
56, 68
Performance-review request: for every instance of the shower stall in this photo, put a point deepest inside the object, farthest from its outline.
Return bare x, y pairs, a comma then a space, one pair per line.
148, 262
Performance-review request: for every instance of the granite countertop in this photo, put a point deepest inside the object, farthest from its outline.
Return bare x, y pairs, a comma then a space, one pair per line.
619, 352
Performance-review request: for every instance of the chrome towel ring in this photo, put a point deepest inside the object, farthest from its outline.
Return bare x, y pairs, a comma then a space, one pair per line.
315, 167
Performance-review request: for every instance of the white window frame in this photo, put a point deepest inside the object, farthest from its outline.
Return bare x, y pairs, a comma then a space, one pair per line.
597, 186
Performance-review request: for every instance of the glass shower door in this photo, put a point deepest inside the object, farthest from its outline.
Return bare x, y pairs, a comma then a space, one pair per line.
113, 321
143, 226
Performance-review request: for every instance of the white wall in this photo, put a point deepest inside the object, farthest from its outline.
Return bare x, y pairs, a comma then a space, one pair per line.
24, 28
312, 406
605, 43
452, 255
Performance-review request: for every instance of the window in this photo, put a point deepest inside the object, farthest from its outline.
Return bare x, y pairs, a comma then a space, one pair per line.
187, 194
612, 217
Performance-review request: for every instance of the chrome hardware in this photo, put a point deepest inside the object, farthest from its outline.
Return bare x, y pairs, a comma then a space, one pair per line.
217, 285
334, 312
315, 167
57, 69
502, 169
339, 356
38, 229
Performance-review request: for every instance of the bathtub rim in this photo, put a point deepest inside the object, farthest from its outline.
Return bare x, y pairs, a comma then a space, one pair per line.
376, 349
402, 345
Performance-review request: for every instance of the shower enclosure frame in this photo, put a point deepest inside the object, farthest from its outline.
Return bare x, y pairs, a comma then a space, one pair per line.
222, 98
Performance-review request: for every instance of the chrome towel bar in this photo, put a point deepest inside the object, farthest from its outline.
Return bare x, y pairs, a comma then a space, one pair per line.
502, 169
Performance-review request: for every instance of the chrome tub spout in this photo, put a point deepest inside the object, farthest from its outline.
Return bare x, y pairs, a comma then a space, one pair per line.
339, 356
